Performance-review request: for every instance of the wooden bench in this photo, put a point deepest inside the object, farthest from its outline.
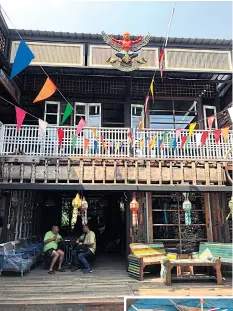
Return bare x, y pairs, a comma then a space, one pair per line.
210, 255
142, 255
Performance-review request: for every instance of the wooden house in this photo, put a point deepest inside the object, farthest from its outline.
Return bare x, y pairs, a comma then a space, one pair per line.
196, 84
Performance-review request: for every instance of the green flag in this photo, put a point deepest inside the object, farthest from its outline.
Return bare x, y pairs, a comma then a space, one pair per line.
74, 140
67, 113
187, 141
164, 135
171, 143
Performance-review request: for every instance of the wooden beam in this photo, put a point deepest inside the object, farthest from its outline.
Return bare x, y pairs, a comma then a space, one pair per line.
208, 217
150, 217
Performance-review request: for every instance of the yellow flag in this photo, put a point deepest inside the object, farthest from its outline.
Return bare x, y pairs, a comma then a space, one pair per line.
141, 143
152, 88
152, 143
192, 127
225, 131
117, 147
94, 132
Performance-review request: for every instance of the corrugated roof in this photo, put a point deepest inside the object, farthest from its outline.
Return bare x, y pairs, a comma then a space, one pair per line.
98, 37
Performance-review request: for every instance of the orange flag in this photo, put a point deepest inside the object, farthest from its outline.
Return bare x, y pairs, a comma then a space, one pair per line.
225, 131
47, 90
140, 125
86, 143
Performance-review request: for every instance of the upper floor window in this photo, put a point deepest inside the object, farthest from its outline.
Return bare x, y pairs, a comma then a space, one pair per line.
136, 114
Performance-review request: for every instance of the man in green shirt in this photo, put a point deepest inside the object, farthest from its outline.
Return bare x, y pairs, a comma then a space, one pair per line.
88, 239
51, 240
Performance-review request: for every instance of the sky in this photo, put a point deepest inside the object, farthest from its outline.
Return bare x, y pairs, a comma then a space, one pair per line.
192, 19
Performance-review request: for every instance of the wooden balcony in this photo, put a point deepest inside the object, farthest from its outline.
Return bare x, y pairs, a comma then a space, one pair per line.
28, 159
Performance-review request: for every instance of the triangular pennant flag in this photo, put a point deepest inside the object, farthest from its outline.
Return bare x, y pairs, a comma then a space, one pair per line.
23, 58
152, 143
203, 138
210, 122
140, 125
60, 133
224, 132
67, 113
198, 138
164, 135
217, 134
95, 146
20, 115
187, 141
74, 140
171, 143
103, 143
141, 143
174, 143
94, 131
48, 89
160, 143
230, 111
192, 127
42, 127
178, 133
152, 89
86, 143
146, 103
80, 126
161, 57
183, 141
117, 147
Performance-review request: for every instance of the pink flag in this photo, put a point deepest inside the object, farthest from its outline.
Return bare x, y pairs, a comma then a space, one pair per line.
210, 121
217, 134
20, 115
203, 138
146, 103
80, 126
178, 132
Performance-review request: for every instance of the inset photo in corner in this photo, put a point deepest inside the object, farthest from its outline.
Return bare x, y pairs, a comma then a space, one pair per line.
178, 304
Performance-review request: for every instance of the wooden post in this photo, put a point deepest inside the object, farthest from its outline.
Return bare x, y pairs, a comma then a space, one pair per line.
208, 217
150, 217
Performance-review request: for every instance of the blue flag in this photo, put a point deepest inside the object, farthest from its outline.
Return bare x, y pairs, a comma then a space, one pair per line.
95, 146
22, 59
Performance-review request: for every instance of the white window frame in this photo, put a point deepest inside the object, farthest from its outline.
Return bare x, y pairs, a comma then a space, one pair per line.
205, 107
87, 110
52, 114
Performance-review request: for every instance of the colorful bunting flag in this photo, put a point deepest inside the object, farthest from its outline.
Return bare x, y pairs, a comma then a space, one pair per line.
171, 143
192, 127
152, 143
224, 132
217, 134
174, 143
187, 142
161, 57
210, 122
198, 138
103, 143
230, 111
140, 125
95, 133
152, 89
60, 133
164, 135
146, 103
86, 143
117, 147
204, 137
47, 90
67, 113
74, 141
80, 126
95, 146
42, 127
141, 143
20, 115
183, 141
178, 133
23, 58
161, 143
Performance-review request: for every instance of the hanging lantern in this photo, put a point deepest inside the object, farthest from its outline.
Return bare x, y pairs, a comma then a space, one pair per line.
134, 206
187, 206
122, 206
76, 203
84, 207
230, 205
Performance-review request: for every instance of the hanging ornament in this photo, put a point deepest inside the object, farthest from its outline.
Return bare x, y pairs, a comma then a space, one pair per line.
122, 205
134, 206
187, 206
230, 205
76, 203
84, 211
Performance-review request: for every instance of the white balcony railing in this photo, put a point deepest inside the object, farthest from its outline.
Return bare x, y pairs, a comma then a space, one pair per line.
28, 142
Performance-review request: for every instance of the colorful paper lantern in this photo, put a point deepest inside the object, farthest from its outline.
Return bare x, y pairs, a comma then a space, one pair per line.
230, 205
187, 206
134, 206
76, 203
84, 207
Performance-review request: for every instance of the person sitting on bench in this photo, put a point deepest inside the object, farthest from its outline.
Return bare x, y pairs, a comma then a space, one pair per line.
85, 250
51, 240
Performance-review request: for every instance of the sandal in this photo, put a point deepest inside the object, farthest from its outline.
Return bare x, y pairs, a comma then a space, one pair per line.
51, 272
61, 270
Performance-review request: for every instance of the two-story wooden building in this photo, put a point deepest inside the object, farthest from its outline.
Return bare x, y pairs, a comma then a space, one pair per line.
38, 180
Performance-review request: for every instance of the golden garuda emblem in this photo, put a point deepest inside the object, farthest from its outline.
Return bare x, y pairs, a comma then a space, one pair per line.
126, 57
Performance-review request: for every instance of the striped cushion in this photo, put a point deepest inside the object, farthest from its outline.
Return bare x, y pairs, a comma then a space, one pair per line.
223, 251
141, 249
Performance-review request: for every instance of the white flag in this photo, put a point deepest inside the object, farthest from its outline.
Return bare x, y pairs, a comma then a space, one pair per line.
42, 127
198, 138
230, 110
